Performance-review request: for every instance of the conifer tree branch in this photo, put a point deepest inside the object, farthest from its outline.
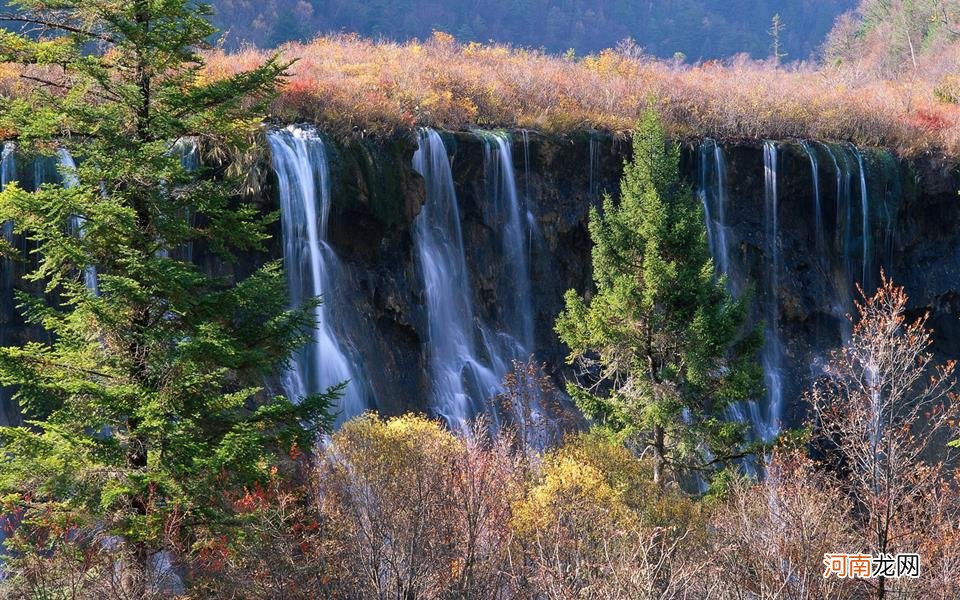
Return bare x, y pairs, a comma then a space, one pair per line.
56, 25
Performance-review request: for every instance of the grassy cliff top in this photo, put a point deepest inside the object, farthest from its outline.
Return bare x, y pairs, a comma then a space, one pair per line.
350, 86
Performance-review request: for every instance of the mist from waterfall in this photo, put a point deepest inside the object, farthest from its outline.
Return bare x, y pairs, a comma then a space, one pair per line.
299, 159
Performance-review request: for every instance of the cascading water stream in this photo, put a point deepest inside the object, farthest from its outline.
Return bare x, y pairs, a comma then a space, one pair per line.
594, 163
713, 194
513, 231
8, 173
533, 229
468, 357
820, 244
462, 383
720, 166
771, 356
706, 201
68, 174
189, 153
840, 305
299, 160
866, 277
845, 218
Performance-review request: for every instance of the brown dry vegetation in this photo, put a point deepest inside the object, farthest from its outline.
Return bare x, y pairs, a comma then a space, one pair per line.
350, 85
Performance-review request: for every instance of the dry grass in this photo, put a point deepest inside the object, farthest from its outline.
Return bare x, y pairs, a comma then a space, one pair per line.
349, 85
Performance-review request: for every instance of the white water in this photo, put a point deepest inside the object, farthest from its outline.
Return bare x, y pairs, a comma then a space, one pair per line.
713, 194
771, 356
865, 280
469, 356
189, 153
68, 175
840, 303
463, 380
594, 163
300, 161
8, 173
533, 228
820, 244
513, 231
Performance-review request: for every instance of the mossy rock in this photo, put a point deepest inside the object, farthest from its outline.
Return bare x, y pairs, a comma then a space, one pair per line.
374, 177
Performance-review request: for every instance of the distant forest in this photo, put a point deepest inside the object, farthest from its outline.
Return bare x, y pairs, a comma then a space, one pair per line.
700, 29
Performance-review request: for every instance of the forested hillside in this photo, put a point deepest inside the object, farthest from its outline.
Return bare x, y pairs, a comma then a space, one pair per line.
892, 39
699, 29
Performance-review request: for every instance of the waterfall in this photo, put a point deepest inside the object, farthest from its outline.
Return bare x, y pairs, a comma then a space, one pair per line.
713, 194
68, 175
865, 281
186, 149
594, 163
705, 200
513, 231
772, 354
844, 220
533, 227
189, 153
820, 245
840, 304
892, 197
8, 173
721, 197
299, 160
462, 383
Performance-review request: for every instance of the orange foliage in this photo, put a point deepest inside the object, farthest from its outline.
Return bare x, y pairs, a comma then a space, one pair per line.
350, 85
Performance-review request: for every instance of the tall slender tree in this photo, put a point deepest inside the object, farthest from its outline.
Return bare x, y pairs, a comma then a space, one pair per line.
147, 410
661, 341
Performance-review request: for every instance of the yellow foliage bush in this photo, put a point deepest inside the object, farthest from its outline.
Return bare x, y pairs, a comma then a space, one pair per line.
575, 496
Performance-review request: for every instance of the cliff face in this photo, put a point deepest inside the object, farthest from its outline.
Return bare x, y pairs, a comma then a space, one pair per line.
798, 254
910, 232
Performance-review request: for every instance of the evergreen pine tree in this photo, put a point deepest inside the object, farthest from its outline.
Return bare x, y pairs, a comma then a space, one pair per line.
146, 412
661, 341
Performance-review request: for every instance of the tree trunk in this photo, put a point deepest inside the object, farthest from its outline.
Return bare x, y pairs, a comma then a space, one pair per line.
659, 455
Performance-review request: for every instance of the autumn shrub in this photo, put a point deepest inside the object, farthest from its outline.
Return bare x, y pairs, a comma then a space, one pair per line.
885, 409
415, 511
281, 550
769, 537
49, 560
590, 525
353, 86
